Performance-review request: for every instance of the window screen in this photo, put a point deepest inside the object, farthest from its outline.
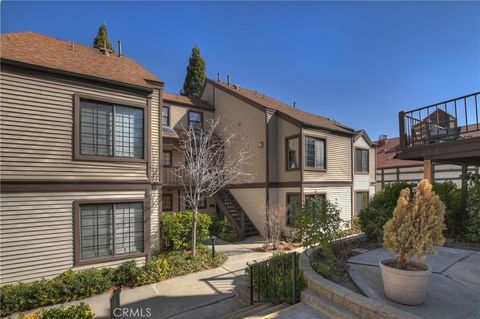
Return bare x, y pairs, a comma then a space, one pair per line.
166, 116
361, 201
195, 119
315, 152
293, 153
361, 161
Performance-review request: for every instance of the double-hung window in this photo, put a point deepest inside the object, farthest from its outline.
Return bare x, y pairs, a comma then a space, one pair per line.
319, 199
361, 161
167, 203
315, 153
167, 158
293, 153
361, 201
109, 230
195, 119
166, 116
108, 131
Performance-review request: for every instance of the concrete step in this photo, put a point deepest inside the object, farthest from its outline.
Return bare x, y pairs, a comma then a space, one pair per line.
243, 311
297, 311
266, 311
252, 311
330, 309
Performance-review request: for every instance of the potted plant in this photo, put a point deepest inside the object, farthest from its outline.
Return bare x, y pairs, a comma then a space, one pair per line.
417, 224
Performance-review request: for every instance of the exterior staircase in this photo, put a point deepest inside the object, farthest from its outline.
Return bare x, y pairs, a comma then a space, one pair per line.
235, 214
257, 311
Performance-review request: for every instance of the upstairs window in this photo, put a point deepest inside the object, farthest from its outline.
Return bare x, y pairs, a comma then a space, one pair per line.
315, 153
195, 119
293, 155
109, 131
167, 159
361, 161
166, 116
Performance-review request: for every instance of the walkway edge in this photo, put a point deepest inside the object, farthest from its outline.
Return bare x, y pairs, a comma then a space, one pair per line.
360, 305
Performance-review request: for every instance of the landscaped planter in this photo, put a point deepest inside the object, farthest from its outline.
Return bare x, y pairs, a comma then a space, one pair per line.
407, 287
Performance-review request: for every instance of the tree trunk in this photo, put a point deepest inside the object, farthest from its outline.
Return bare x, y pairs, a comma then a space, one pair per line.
194, 231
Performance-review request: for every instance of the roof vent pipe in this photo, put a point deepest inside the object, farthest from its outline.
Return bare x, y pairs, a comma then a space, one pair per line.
73, 46
218, 76
228, 79
294, 104
120, 53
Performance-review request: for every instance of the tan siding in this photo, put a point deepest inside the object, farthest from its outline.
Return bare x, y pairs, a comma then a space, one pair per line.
248, 123
338, 195
36, 130
363, 181
179, 115
286, 129
155, 138
339, 158
37, 232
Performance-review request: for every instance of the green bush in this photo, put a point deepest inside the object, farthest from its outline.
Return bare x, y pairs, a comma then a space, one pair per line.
81, 311
223, 230
472, 233
177, 228
380, 210
318, 223
451, 196
71, 286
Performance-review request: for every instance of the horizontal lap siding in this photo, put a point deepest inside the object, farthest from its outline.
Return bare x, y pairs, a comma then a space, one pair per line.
286, 129
253, 203
179, 115
338, 195
155, 137
339, 158
362, 182
36, 232
36, 130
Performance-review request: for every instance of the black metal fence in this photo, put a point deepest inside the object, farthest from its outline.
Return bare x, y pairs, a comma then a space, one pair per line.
275, 280
445, 121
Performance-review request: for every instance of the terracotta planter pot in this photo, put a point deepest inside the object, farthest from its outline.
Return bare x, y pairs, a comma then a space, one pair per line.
407, 287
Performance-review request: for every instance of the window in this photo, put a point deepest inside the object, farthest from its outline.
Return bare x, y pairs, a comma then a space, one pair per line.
293, 201
361, 201
110, 230
361, 161
315, 153
318, 198
166, 116
195, 119
293, 153
167, 158
201, 205
167, 203
106, 131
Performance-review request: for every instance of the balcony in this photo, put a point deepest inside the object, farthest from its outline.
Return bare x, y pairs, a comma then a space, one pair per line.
448, 131
170, 176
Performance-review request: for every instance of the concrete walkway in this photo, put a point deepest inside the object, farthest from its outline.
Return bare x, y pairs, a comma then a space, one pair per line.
206, 294
453, 290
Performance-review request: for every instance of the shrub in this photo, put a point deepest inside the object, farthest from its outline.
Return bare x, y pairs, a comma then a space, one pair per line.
275, 220
472, 233
223, 230
128, 274
177, 228
379, 210
451, 196
417, 224
318, 223
80, 311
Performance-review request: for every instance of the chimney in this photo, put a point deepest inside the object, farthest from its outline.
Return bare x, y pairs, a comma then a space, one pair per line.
228, 79
382, 139
294, 104
120, 53
73, 46
218, 76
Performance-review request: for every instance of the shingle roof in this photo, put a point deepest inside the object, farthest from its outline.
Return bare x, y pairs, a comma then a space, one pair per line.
45, 51
184, 100
295, 113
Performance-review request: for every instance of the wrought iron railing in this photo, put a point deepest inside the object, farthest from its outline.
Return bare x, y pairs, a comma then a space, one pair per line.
445, 121
170, 175
275, 280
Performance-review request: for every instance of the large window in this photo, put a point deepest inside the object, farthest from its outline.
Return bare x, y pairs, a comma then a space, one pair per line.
361, 160
293, 153
201, 205
315, 153
167, 158
109, 131
166, 116
361, 201
195, 119
293, 202
109, 230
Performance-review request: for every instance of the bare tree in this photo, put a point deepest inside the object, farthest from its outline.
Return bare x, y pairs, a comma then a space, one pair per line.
214, 158
275, 221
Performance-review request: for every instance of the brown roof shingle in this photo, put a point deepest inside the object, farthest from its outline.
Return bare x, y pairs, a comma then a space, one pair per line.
271, 103
45, 51
184, 100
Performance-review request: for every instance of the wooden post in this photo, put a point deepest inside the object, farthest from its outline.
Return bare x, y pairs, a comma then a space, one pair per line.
428, 170
464, 194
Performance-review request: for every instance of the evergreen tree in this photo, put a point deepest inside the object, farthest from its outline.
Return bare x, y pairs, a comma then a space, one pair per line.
195, 78
102, 38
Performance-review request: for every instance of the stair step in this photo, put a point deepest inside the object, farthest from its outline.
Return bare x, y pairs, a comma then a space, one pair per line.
242, 311
269, 310
252, 311
326, 306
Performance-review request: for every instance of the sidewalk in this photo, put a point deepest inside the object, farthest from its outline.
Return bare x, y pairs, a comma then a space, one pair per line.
193, 293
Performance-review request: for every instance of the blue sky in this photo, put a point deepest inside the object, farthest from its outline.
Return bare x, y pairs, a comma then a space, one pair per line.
357, 62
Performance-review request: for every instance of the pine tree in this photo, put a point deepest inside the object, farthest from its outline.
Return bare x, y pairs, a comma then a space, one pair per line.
195, 78
102, 38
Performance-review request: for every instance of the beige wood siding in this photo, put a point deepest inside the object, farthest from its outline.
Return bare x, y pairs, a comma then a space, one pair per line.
363, 181
248, 123
179, 115
339, 157
155, 136
253, 202
338, 195
36, 130
285, 129
36, 232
